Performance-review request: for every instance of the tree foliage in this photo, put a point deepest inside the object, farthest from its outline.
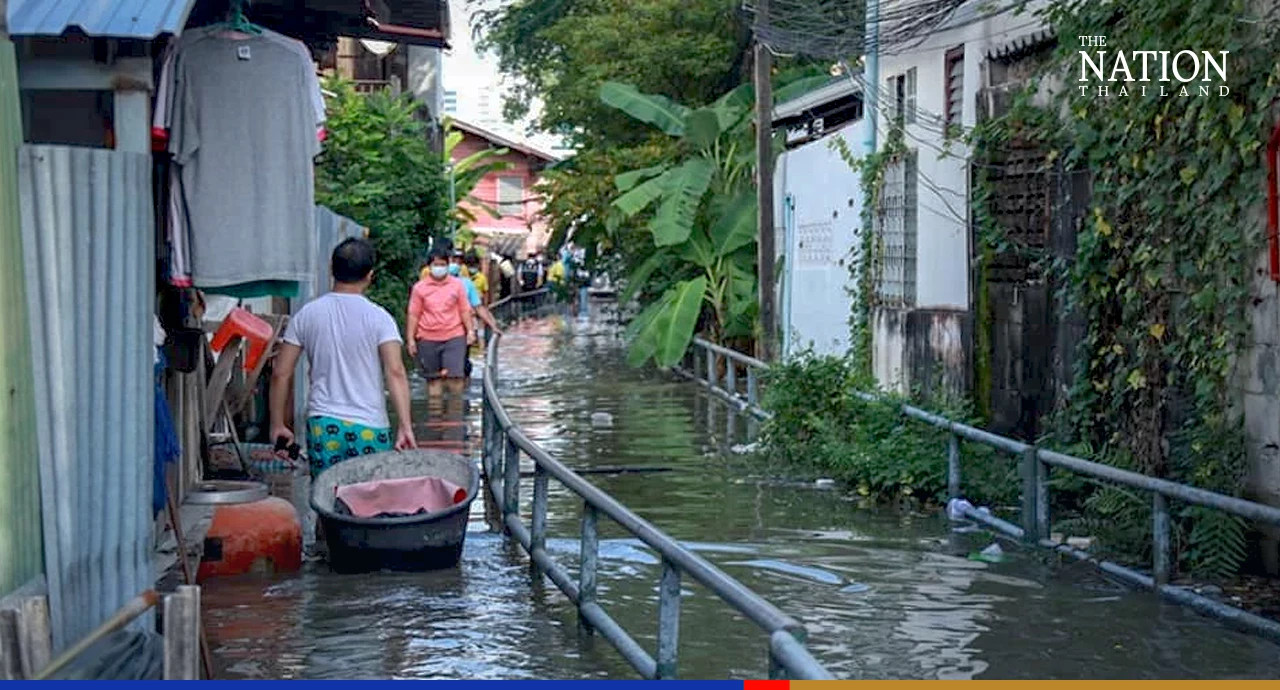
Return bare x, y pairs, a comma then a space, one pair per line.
561, 51
379, 170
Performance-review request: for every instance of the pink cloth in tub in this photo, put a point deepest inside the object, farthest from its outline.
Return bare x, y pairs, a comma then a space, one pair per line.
401, 496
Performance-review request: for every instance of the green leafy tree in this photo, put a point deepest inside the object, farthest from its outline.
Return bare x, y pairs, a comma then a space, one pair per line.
559, 52
379, 170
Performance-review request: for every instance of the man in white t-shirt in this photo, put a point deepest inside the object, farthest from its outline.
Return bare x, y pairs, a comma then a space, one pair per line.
351, 345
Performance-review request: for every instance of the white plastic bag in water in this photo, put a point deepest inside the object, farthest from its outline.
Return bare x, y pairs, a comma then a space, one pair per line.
956, 508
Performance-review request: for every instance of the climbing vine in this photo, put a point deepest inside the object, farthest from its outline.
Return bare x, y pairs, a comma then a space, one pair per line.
1168, 252
864, 268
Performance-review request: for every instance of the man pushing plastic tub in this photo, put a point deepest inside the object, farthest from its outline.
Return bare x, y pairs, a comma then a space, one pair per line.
354, 349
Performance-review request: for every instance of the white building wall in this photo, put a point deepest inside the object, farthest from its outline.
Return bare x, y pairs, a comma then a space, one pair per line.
943, 237
824, 224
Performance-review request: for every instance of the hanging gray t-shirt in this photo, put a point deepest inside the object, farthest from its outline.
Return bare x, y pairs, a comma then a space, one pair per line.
243, 132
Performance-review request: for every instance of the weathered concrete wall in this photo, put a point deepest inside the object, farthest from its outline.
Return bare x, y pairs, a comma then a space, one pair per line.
923, 350
1260, 401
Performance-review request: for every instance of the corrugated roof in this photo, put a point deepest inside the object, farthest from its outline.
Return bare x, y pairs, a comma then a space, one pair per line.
839, 87
504, 142
137, 19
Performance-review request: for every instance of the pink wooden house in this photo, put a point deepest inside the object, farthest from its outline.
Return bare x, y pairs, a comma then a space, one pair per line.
520, 229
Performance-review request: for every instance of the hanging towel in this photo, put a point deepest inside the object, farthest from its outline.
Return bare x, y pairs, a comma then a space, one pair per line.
395, 497
168, 447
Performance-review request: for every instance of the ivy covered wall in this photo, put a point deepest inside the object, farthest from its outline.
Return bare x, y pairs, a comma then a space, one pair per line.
1177, 372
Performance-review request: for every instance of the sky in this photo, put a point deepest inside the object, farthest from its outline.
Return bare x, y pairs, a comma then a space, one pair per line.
477, 82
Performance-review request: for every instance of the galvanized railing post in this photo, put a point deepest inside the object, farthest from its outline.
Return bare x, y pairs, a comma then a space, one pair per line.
953, 466
1042, 500
668, 621
486, 438
511, 479
1160, 538
778, 670
1030, 469
588, 561
731, 377
538, 526
711, 369
753, 394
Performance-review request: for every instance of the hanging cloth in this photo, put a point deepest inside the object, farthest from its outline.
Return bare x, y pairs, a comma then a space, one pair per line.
242, 132
178, 231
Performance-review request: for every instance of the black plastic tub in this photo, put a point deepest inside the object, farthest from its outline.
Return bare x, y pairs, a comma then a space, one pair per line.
412, 543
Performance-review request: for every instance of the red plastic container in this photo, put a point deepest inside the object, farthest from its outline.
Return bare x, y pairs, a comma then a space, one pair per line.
255, 331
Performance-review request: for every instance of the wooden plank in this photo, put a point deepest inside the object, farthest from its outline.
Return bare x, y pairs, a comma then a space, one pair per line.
182, 634
35, 634
10, 647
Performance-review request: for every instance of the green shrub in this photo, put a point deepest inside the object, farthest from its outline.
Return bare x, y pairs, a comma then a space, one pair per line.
379, 170
822, 424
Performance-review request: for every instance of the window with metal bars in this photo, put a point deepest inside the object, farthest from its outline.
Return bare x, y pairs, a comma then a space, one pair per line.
954, 66
902, 88
896, 230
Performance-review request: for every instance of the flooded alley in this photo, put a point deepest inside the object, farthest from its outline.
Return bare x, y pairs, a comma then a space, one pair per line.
883, 594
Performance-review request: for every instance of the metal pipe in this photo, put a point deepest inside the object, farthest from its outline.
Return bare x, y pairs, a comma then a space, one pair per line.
731, 354
1029, 467
588, 556
1160, 538
1042, 500
789, 651
630, 650
1181, 492
136, 607
668, 621
538, 523
953, 466
511, 477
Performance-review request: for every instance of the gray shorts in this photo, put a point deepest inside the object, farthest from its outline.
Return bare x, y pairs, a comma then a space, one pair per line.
449, 356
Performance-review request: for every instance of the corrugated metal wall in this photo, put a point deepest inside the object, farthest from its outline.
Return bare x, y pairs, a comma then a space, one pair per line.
331, 229
20, 535
88, 235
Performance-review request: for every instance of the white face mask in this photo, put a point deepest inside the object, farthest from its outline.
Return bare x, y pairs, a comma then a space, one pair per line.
439, 272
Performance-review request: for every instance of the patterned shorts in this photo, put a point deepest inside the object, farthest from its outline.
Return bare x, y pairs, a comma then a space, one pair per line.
330, 441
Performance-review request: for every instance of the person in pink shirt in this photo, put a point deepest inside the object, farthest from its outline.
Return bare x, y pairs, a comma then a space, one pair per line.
440, 326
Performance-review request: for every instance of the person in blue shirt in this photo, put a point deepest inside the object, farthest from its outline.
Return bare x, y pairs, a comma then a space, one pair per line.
473, 296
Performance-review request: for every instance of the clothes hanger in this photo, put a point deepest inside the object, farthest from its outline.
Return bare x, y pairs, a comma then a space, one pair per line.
238, 22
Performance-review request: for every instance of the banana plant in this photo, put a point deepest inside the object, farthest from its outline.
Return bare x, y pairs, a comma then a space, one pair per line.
702, 218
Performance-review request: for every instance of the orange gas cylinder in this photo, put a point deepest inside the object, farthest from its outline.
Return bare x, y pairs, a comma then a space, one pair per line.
262, 536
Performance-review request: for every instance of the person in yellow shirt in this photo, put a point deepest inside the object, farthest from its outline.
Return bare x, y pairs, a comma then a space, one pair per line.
472, 266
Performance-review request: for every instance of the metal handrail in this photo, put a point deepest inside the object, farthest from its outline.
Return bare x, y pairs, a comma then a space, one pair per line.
505, 441
1035, 463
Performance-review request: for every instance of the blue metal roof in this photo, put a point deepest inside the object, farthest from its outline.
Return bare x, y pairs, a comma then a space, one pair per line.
138, 19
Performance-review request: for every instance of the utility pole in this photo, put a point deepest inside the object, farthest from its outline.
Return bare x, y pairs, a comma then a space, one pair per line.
871, 75
764, 188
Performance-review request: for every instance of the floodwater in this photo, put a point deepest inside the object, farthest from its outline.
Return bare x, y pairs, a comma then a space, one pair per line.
883, 594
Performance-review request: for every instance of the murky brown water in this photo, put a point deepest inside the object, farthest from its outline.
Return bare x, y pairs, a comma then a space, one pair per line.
888, 595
